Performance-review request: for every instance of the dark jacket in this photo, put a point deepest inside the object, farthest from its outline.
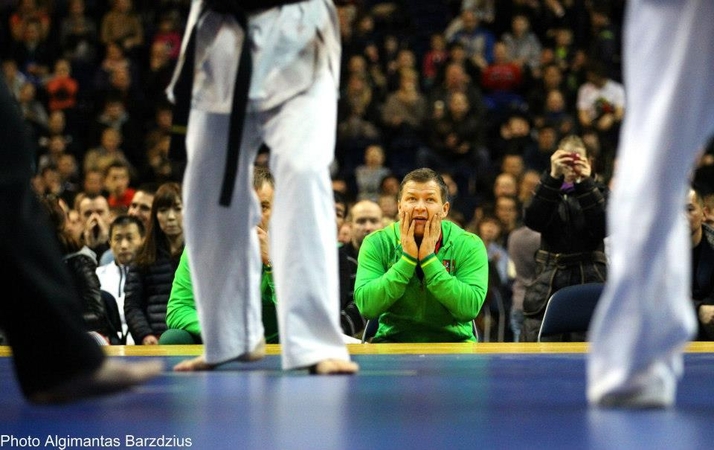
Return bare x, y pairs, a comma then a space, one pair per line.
351, 320
703, 277
83, 267
147, 292
571, 221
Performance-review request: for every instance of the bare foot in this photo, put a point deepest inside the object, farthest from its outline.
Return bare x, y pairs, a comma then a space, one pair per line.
334, 367
199, 363
111, 376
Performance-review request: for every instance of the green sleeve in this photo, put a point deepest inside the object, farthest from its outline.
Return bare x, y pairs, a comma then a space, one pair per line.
181, 310
378, 286
267, 286
462, 292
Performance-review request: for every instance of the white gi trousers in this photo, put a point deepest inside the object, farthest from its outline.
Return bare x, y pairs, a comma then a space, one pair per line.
300, 130
645, 316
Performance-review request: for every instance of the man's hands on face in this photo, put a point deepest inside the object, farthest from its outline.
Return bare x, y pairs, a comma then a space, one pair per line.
96, 231
432, 231
406, 231
263, 238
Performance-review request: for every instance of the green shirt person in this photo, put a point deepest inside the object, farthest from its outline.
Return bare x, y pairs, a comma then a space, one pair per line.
182, 317
424, 278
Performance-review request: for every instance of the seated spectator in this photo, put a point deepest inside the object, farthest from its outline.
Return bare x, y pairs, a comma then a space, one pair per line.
523, 45
369, 176
424, 278
501, 82
148, 283
116, 182
82, 265
601, 105
78, 37
101, 157
122, 25
126, 234
61, 87
94, 210
568, 210
477, 40
702, 265
365, 217
434, 59
455, 146
32, 54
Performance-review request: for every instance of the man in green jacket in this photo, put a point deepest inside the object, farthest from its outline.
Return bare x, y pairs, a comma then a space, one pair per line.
424, 278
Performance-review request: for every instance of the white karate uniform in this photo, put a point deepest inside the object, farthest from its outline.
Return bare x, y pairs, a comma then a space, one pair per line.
645, 316
292, 108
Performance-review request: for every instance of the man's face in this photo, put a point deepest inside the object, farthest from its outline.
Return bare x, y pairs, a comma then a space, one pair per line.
423, 201
506, 210
141, 207
366, 217
695, 212
98, 206
117, 180
265, 196
125, 242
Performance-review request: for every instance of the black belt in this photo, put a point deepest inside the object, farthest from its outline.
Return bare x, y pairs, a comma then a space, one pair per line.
567, 259
184, 87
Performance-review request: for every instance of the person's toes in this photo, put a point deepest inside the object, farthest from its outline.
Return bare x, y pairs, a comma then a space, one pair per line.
334, 367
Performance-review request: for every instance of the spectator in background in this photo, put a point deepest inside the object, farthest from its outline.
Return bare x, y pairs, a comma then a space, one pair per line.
601, 104
478, 41
434, 60
82, 265
369, 176
94, 211
538, 157
148, 283
62, 89
702, 240
32, 53
523, 45
126, 234
403, 116
99, 158
568, 210
123, 26
78, 37
455, 146
117, 178
365, 217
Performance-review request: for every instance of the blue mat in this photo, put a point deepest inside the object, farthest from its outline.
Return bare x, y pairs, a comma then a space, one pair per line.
485, 401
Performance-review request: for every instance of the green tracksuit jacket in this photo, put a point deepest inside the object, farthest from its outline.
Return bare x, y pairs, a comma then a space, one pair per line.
181, 311
437, 308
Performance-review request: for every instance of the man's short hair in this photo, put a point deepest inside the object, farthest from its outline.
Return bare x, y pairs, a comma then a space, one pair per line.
126, 219
425, 175
262, 175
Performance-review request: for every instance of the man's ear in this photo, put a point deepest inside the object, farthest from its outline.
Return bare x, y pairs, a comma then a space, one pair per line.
445, 209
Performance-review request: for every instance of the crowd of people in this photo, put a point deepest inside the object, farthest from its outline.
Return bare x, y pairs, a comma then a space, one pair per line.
515, 106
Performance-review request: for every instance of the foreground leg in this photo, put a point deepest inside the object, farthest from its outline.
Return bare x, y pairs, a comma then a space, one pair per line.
645, 317
111, 376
